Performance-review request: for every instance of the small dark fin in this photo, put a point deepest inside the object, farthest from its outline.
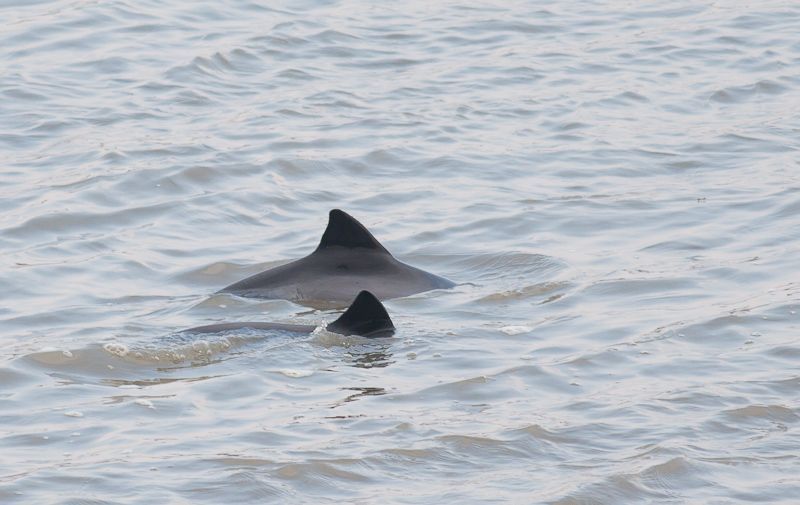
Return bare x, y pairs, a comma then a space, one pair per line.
343, 230
366, 316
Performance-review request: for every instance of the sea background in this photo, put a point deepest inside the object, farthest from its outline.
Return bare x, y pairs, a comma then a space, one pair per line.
614, 186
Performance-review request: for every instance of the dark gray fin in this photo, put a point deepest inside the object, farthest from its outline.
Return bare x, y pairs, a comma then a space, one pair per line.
366, 316
344, 231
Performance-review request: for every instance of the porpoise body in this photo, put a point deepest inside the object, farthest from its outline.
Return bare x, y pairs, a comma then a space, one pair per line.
366, 317
348, 260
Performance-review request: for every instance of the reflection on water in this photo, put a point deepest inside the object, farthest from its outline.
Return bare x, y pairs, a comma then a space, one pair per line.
613, 185
361, 392
368, 356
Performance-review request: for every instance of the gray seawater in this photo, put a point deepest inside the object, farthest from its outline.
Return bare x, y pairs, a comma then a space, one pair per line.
615, 187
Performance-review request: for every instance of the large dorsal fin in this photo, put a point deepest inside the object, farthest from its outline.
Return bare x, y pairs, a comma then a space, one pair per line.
343, 230
366, 316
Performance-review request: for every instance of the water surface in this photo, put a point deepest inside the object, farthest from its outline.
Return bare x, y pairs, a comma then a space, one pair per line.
613, 185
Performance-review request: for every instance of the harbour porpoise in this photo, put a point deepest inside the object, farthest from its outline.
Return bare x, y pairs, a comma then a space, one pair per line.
347, 260
366, 317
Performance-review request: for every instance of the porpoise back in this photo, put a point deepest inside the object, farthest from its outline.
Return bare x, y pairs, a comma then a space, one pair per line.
366, 317
347, 260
